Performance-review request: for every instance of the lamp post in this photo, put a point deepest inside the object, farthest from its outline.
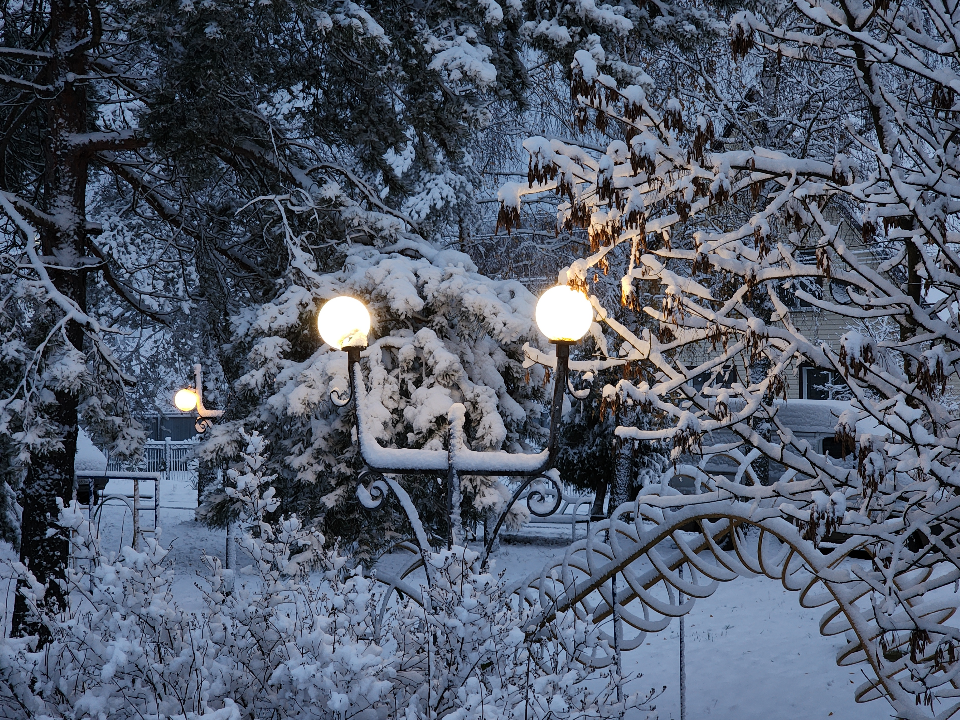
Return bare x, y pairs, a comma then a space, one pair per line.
192, 398
563, 314
189, 399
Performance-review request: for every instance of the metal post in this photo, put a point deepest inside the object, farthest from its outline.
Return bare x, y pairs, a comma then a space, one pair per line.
167, 460
454, 498
455, 443
91, 486
136, 513
156, 503
198, 381
617, 659
73, 533
561, 374
617, 634
353, 357
231, 547
683, 668
459, 537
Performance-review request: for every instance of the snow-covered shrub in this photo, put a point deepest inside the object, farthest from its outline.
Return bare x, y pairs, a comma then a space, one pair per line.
300, 635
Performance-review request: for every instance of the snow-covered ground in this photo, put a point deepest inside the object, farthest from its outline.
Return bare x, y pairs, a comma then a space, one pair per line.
752, 652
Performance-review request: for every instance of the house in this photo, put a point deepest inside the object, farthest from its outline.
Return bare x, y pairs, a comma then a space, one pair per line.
809, 382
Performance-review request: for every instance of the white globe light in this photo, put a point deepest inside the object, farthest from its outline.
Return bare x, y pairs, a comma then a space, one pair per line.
344, 322
564, 314
185, 400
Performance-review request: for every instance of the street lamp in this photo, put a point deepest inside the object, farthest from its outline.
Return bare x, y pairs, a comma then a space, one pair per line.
344, 322
186, 400
189, 399
563, 314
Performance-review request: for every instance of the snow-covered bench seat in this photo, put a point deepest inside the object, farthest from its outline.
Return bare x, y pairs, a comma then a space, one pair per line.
574, 509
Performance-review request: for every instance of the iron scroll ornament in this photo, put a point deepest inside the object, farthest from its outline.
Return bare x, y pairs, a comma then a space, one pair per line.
205, 415
533, 497
203, 424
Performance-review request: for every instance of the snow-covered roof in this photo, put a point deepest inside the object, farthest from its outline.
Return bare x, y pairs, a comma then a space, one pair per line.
88, 457
820, 416
812, 415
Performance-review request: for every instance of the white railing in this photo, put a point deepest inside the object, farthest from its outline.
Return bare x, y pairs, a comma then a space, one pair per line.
163, 456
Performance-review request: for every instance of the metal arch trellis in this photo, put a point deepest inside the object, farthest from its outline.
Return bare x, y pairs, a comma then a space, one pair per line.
644, 556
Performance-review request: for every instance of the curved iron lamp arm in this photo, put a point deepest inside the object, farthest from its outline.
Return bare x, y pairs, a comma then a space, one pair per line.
340, 398
204, 414
561, 377
533, 496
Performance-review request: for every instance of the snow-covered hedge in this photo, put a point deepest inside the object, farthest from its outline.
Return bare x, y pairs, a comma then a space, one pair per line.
300, 636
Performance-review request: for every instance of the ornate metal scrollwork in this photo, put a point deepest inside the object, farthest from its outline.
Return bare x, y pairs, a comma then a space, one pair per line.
643, 557
339, 397
580, 394
535, 497
372, 497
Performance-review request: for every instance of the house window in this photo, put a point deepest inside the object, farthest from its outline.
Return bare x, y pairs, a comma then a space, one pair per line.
822, 384
788, 295
175, 427
722, 378
835, 449
840, 292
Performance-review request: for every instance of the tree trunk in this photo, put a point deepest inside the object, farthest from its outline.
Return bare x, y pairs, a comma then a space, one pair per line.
761, 466
623, 474
907, 327
596, 512
63, 245
49, 477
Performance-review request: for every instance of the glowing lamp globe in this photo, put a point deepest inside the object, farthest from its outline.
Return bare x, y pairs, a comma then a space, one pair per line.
344, 322
564, 314
185, 400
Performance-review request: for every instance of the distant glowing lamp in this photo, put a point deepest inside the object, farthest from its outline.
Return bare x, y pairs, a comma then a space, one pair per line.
189, 399
564, 314
186, 400
344, 322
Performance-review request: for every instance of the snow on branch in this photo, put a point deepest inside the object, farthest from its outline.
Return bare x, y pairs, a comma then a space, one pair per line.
737, 256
